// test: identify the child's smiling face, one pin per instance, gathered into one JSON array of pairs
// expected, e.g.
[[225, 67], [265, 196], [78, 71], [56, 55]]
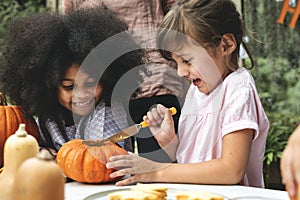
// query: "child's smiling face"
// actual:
[[79, 92]]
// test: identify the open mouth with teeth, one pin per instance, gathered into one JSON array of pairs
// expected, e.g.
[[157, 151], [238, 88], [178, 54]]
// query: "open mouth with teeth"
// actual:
[[82, 104], [197, 81]]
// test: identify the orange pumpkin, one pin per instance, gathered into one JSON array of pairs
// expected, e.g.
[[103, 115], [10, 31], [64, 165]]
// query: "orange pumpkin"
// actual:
[[10, 119], [85, 160]]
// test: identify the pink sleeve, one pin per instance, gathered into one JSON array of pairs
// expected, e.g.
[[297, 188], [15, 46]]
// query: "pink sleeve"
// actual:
[[240, 108], [67, 5]]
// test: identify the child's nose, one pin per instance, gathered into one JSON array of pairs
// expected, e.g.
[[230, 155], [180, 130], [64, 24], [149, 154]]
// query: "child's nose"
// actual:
[[81, 92], [182, 71]]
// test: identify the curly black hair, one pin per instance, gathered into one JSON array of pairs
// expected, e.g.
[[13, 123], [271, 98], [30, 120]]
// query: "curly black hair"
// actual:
[[39, 49]]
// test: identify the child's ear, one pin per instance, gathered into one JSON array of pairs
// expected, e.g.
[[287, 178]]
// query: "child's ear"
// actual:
[[228, 43]]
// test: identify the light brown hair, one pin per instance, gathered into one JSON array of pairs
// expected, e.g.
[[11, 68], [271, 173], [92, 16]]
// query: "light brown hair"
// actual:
[[205, 21]]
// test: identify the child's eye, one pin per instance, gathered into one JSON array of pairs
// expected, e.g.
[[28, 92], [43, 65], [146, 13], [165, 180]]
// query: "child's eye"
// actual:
[[91, 83], [186, 61], [68, 87]]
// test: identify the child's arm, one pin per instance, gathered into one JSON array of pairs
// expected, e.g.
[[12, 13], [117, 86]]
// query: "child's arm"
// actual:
[[229, 169], [290, 164]]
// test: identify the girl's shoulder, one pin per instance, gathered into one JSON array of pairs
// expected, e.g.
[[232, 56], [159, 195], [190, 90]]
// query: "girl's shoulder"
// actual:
[[241, 76], [237, 84]]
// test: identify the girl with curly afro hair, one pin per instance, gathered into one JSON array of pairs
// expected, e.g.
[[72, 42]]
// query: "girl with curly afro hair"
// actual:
[[64, 69]]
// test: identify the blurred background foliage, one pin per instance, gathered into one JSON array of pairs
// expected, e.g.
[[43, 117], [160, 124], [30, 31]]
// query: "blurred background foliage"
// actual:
[[275, 48], [10, 9]]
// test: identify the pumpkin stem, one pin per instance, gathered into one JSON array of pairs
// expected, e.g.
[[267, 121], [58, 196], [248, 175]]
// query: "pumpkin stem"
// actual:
[[21, 132], [94, 142], [3, 101]]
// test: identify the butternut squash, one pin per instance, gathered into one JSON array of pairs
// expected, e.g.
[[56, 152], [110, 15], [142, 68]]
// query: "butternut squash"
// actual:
[[39, 178], [11, 116], [17, 148]]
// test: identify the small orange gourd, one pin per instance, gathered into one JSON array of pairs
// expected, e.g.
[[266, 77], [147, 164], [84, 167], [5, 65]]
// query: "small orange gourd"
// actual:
[[18, 147], [85, 160], [39, 178], [10, 119]]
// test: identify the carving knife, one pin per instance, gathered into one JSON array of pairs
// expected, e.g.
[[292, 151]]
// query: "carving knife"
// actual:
[[132, 130]]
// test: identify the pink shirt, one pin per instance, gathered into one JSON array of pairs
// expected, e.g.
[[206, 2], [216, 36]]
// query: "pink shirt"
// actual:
[[206, 119]]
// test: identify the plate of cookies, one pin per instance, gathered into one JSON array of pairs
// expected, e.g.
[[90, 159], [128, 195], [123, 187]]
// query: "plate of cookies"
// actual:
[[154, 192]]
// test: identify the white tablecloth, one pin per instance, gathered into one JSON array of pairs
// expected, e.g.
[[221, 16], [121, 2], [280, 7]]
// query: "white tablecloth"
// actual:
[[79, 191]]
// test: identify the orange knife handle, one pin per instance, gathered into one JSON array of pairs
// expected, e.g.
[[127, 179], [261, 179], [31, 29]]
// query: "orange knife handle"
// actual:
[[173, 112]]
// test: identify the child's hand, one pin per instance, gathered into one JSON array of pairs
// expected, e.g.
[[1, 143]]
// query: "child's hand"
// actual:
[[140, 169], [290, 164], [162, 125]]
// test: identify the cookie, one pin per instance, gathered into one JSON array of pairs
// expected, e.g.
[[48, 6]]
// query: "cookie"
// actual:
[[198, 195], [131, 195]]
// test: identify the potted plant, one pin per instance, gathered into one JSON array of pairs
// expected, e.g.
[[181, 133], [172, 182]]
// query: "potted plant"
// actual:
[[281, 127]]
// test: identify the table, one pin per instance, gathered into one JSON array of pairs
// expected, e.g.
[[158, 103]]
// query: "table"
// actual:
[[79, 191]]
